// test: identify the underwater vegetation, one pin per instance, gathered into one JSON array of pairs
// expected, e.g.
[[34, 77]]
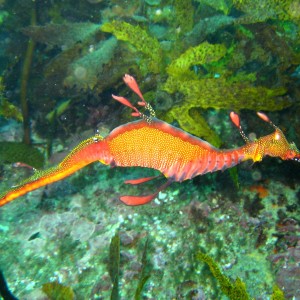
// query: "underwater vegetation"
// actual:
[[14, 152], [195, 61], [56, 291], [7, 109], [114, 269], [236, 290], [200, 61], [233, 290]]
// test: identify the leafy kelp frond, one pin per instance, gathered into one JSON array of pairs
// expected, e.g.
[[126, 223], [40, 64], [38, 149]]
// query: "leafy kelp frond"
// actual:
[[58, 111], [199, 55], [184, 12], [258, 11], [180, 74], [235, 92], [141, 40], [221, 94], [7, 109], [191, 121]]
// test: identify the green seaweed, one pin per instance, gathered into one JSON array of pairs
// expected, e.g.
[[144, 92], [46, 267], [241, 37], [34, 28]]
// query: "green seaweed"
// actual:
[[58, 110], [222, 5], [13, 152], [145, 272], [277, 293], [220, 93], [56, 291], [184, 12], [261, 10], [199, 55], [234, 290], [193, 122], [179, 74], [141, 40], [114, 266], [7, 109], [233, 172]]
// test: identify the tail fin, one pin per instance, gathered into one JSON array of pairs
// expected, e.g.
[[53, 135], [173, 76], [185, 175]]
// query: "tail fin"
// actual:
[[86, 152]]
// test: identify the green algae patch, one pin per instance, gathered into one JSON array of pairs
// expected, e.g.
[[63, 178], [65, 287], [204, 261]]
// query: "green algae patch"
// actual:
[[219, 93], [193, 122], [234, 290], [12, 152], [114, 266], [265, 9], [141, 40], [10, 111], [199, 55], [277, 293], [184, 12], [145, 272], [7, 109], [57, 291]]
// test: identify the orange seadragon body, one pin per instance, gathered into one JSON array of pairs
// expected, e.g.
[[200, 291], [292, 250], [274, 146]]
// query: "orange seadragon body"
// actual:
[[155, 144], [175, 153]]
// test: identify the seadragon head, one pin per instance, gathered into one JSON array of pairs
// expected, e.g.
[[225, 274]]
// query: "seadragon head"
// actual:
[[291, 152], [274, 144]]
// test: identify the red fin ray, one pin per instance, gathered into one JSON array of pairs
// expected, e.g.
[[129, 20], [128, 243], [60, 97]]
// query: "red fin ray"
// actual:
[[235, 119], [263, 116], [137, 200], [141, 200], [126, 102], [140, 180], [131, 82]]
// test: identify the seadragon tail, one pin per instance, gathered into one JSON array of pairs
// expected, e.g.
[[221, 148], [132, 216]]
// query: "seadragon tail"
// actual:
[[87, 152]]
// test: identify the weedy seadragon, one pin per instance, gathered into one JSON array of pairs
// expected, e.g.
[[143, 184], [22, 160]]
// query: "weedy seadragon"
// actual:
[[153, 143]]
